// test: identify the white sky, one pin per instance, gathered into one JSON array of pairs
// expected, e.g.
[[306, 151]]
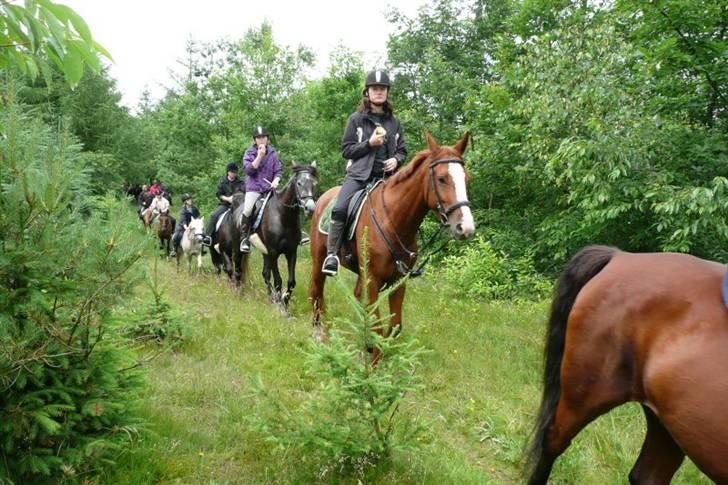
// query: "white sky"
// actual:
[[147, 37]]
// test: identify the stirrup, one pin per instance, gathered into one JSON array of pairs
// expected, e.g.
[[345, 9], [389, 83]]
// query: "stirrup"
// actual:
[[206, 241], [331, 265], [172, 253], [244, 246], [304, 241]]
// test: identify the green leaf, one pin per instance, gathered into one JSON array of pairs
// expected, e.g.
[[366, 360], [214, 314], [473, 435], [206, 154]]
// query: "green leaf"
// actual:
[[73, 65], [90, 57], [102, 50], [80, 25]]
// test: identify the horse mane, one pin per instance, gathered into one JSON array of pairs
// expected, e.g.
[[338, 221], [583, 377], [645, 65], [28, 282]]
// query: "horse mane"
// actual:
[[414, 165]]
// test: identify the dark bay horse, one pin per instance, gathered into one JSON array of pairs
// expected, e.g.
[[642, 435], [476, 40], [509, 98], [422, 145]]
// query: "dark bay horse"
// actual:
[[650, 328], [225, 251], [165, 231], [280, 230], [435, 179]]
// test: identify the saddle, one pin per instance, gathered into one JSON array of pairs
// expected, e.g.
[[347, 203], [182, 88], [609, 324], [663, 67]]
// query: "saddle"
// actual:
[[258, 210], [353, 212]]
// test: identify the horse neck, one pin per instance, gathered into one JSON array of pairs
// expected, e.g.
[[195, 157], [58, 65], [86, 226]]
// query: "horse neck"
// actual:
[[287, 198], [406, 203]]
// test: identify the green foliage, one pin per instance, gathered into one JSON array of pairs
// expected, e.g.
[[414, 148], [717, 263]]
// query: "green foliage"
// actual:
[[479, 271], [351, 419], [157, 320], [66, 401], [40, 32]]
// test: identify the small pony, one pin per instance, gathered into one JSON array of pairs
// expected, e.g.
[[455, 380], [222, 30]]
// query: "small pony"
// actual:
[[165, 231], [191, 244]]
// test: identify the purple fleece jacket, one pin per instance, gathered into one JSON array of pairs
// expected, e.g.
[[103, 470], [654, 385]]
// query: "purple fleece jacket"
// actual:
[[270, 167]]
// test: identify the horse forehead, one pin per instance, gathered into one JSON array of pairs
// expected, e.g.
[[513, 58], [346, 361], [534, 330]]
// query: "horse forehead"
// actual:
[[305, 175]]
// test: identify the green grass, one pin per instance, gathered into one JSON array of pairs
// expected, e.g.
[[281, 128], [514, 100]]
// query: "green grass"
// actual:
[[482, 389]]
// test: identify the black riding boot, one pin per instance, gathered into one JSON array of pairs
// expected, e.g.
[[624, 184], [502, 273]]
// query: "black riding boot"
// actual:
[[331, 263], [244, 234]]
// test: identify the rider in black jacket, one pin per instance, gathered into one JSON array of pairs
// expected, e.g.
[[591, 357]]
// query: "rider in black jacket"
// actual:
[[228, 185], [374, 145]]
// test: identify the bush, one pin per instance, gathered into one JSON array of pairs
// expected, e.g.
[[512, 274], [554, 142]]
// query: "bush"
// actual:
[[67, 384], [156, 319], [479, 271], [352, 419]]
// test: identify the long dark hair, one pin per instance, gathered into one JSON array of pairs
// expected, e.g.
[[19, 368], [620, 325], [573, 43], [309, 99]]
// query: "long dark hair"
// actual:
[[365, 106]]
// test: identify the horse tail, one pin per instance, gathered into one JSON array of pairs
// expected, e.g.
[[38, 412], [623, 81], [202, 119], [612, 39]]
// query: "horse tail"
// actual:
[[586, 264]]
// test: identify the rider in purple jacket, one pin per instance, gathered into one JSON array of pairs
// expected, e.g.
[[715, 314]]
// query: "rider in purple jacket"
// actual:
[[263, 170]]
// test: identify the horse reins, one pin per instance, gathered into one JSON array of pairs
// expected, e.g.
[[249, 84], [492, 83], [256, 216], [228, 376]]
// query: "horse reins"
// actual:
[[443, 212]]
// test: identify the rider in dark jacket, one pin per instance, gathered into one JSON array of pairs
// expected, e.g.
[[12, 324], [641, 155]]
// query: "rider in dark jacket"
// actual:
[[374, 145], [186, 213], [228, 185]]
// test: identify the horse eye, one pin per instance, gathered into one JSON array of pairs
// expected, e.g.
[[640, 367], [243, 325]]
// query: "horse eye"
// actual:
[[442, 180]]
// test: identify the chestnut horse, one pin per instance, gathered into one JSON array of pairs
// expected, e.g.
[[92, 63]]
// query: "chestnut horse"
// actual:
[[435, 179], [650, 328], [165, 231]]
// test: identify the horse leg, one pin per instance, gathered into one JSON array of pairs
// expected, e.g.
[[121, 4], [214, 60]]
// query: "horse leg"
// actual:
[[396, 298], [583, 399], [277, 280], [178, 256], [373, 295], [291, 259], [660, 456], [199, 262], [267, 263]]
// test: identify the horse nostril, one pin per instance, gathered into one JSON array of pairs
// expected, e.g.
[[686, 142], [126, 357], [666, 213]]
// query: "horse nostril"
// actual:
[[459, 228]]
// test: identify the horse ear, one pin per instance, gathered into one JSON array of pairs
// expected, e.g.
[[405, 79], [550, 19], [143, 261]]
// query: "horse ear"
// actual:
[[431, 142], [313, 164], [295, 163], [462, 144]]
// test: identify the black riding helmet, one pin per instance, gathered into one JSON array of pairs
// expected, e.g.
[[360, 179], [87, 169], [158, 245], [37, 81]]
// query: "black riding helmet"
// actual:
[[260, 131], [376, 78], [185, 197], [232, 167]]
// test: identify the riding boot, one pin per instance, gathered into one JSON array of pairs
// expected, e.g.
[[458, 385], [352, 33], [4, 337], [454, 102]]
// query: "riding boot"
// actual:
[[331, 263], [244, 234]]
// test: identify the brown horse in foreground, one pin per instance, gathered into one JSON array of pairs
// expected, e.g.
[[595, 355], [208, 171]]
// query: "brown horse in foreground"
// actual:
[[650, 328], [434, 180]]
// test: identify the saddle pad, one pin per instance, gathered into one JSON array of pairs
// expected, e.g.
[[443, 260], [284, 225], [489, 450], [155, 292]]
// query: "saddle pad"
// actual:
[[353, 212], [259, 213], [725, 289], [220, 219]]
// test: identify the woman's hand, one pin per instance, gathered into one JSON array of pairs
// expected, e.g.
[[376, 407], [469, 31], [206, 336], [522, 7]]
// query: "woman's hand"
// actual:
[[376, 140], [390, 164]]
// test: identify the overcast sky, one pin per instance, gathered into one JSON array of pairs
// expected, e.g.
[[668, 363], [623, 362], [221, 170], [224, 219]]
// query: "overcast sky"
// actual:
[[147, 37]]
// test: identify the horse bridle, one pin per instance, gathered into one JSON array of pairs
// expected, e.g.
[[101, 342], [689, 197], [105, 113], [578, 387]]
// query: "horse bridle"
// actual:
[[300, 201], [442, 211]]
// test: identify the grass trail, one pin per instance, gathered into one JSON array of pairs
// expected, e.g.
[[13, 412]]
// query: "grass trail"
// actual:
[[482, 389]]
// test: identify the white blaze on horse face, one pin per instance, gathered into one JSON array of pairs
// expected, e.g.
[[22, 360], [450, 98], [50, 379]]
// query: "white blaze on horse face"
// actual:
[[457, 173]]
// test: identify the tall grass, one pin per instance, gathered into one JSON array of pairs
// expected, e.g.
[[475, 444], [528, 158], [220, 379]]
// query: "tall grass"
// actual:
[[481, 391]]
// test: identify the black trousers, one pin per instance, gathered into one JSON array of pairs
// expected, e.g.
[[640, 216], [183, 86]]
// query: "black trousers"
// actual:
[[348, 189], [177, 238]]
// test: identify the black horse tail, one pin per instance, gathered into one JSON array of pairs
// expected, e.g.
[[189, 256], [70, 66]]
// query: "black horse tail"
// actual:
[[586, 264]]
